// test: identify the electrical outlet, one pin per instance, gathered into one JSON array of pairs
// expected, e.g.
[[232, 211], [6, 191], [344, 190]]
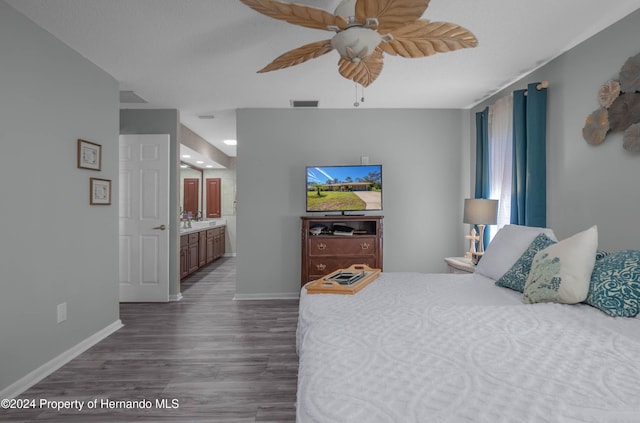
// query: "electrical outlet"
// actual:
[[62, 312], [364, 160]]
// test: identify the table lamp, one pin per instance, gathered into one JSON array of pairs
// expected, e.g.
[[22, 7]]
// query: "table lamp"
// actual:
[[479, 212]]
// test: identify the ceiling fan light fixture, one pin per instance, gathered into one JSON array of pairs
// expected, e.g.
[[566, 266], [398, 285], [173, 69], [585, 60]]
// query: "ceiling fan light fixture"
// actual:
[[356, 43], [365, 29]]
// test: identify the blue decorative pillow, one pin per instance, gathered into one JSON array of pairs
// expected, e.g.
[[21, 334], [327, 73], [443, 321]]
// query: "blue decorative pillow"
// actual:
[[516, 277], [615, 284]]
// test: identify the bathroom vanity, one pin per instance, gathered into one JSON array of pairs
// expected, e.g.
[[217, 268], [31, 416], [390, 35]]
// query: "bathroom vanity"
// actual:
[[200, 245]]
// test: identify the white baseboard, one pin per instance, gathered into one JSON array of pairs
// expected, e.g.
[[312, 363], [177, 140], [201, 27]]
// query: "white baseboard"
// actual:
[[175, 297], [51, 366], [229, 255], [275, 296]]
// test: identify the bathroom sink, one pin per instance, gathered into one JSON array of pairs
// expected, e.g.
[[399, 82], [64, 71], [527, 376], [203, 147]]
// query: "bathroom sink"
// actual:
[[201, 224]]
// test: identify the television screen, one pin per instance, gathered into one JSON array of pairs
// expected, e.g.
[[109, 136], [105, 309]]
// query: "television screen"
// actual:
[[344, 188]]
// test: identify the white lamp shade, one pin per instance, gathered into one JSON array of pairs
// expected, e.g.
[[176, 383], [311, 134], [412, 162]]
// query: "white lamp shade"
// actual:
[[357, 39], [480, 211]]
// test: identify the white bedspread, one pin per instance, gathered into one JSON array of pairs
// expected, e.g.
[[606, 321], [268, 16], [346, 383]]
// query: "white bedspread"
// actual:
[[416, 347]]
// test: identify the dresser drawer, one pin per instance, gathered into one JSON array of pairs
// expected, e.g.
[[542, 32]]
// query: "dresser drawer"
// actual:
[[320, 266], [330, 246]]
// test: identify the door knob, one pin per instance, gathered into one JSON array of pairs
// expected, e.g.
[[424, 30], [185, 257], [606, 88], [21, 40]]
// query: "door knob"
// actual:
[[161, 227]]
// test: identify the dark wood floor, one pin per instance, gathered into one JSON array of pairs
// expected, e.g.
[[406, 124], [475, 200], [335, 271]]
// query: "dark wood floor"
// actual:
[[222, 360]]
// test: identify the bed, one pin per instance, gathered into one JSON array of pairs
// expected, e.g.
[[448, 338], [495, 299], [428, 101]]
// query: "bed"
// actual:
[[414, 347]]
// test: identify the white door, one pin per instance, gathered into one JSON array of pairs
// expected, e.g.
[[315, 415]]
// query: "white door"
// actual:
[[144, 218]]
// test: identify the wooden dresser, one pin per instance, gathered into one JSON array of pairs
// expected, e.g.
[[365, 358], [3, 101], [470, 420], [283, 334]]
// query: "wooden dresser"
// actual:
[[327, 252]]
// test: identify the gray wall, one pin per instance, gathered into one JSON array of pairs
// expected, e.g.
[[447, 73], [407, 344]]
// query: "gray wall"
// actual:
[[162, 121], [421, 154], [588, 185], [54, 246]]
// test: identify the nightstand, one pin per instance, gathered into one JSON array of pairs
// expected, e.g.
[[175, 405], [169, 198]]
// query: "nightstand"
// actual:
[[459, 265]]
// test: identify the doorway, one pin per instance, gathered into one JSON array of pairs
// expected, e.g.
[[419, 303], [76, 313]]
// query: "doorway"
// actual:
[[144, 218]]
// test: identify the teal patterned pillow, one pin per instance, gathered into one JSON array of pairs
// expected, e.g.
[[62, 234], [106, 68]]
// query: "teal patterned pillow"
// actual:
[[615, 284], [516, 277]]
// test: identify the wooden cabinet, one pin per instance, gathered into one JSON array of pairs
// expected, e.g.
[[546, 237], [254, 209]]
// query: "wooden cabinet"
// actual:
[[215, 243], [210, 245], [327, 252], [197, 249], [202, 248], [184, 253], [218, 242], [193, 259]]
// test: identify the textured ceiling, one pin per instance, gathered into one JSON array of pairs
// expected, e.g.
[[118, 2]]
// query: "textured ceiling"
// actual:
[[201, 56]]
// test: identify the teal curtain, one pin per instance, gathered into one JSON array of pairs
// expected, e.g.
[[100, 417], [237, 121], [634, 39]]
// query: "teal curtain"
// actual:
[[482, 154], [529, 184], [483, 186]]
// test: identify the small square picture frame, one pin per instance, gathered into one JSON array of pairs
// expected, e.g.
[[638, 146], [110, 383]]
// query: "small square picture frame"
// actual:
[[89, 155], [99, 191]]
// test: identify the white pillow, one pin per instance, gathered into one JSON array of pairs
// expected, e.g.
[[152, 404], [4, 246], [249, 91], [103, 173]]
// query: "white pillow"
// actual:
[[506, 247], [561, 273]]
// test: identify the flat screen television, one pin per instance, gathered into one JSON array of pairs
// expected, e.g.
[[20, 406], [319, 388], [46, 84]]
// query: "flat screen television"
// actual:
[[343, 189]]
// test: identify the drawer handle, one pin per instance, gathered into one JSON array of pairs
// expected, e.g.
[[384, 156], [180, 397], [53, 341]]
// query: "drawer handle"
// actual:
[[365, 245], [322, 246], [321, 266]]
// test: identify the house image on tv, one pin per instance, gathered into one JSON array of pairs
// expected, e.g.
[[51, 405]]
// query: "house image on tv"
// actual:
[[348, 186]]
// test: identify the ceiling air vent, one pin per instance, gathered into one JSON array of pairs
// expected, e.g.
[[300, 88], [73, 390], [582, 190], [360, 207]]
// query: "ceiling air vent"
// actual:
[[131, 97], [304, 103]]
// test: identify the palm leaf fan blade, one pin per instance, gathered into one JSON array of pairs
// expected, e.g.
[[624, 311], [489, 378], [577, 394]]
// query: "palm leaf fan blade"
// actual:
[[423, 38], [297, 14], [299, 55], [364, 72], [391, 14]]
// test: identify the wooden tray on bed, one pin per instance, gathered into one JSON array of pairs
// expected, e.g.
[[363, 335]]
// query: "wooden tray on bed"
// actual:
[[344, 281]]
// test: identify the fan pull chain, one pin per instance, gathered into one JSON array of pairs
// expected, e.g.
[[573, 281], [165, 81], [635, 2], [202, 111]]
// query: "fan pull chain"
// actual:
[[356, 103]]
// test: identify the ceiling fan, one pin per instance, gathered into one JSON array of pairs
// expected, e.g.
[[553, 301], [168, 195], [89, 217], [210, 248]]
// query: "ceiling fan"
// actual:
[[365, 29]]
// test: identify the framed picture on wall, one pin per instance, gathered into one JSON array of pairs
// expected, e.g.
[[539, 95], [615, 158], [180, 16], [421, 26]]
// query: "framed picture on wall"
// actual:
[[89, 155], [100, 191]]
